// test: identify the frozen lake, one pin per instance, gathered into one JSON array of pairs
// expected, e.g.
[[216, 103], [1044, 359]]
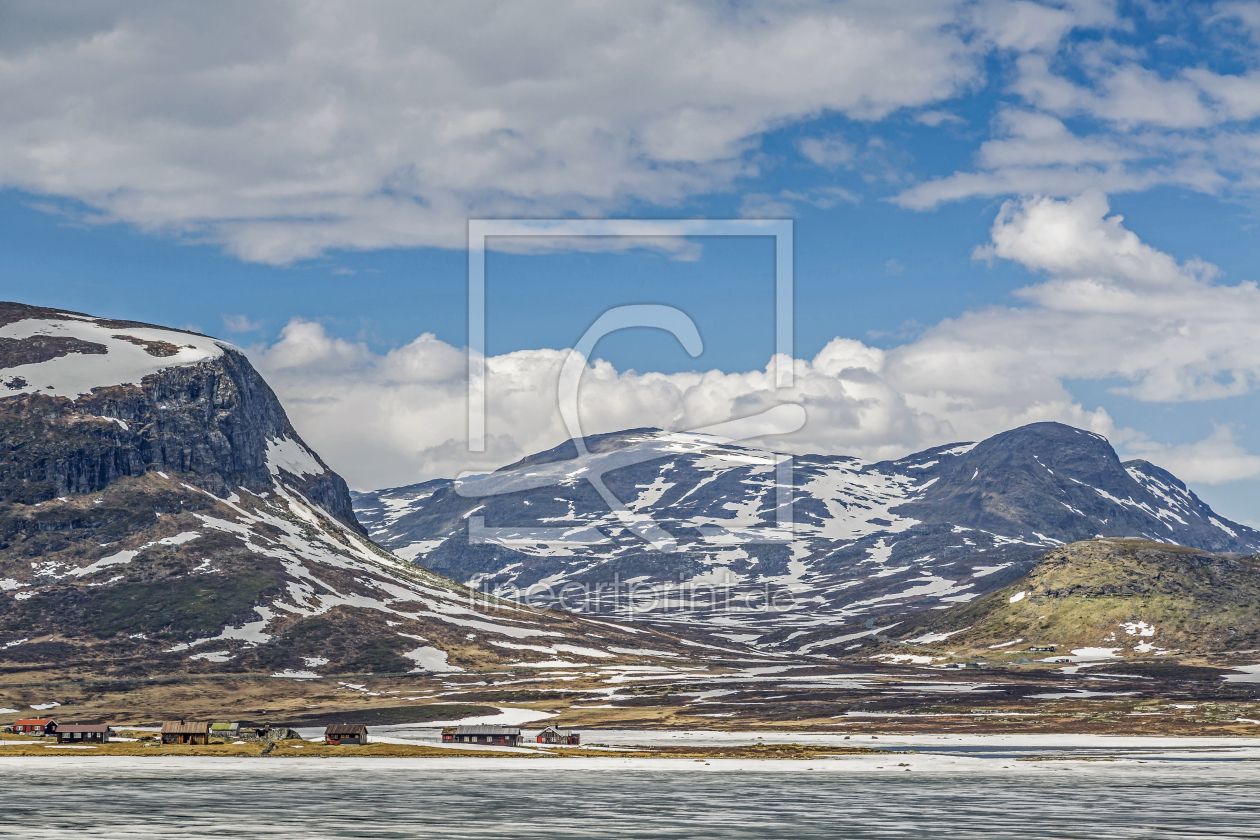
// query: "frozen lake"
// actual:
[[1195, 795]]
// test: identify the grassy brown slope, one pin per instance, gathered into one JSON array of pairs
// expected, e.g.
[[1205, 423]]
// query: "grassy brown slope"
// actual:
[[1082, 595], [136, 619]]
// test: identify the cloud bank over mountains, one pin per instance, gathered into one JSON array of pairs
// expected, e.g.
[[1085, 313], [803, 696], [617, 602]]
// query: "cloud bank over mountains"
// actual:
[[1110, 307], [284, 130]]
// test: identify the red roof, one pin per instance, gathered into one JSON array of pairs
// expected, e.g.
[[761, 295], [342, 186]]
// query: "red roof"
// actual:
[[33, 722]]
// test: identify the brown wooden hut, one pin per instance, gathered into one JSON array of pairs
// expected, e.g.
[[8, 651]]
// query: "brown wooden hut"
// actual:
[[346, 733], [83, 733], [185, 732]]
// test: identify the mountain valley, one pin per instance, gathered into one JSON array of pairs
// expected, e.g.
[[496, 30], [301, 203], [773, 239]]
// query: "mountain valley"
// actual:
[[169, 545]]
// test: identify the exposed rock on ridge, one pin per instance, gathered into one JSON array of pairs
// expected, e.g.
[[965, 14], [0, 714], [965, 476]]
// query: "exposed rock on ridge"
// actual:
[[210, 421]]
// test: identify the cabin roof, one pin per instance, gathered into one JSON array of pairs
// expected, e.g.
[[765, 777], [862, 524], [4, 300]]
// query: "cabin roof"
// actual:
[[185, 727], [83, 727], [487, 729], [33, 722], [346, 729]]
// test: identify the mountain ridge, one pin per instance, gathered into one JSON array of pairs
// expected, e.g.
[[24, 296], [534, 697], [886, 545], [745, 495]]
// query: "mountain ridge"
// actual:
[[872, 538], [159, 514]]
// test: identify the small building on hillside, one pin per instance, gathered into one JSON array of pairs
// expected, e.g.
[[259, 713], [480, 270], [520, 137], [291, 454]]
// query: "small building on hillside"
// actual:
[[346, 733], [448, 733], [225, 731], [484, 733], [35, 726], [556, 735], [186, 732], [83, 733], [1043, 648]]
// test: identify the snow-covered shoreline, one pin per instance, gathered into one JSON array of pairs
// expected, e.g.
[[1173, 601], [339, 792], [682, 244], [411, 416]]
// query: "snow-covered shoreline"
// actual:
[[927, 752], [1174, 765]]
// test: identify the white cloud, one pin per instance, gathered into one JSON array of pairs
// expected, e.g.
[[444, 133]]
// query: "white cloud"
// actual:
[[783, 204], [1024, 26], [937, 117], [830, 151], [240, 324], [286, 129], [1122, 92], [1216, 459], [1110, 307], [1137, 123], [1032, 152]]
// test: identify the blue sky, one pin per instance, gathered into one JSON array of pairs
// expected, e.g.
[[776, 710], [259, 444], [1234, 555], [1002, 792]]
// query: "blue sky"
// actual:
[[1002, 212]]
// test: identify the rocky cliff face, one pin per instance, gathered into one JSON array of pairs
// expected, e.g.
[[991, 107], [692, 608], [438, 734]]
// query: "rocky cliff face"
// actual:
[[209, 417], [159, 514]]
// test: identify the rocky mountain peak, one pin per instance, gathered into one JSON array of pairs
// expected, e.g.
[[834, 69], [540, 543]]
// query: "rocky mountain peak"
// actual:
[[89, 400], [932, 529], [159, 514]]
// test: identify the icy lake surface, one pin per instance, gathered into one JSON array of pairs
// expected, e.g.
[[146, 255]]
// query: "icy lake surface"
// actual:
[[866, 797]]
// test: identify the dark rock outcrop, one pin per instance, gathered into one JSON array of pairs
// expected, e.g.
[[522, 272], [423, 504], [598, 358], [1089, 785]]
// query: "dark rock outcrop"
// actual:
[[210, 422]]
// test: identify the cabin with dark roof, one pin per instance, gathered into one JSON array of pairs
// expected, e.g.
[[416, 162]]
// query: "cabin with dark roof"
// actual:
[[35, 726], [556, 735], [83, 733], [484, 733], [346, 733], [186, 732]]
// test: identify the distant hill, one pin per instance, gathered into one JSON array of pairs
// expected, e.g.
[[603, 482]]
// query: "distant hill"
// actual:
[[1130, 596], [928, 531], [159, 514]]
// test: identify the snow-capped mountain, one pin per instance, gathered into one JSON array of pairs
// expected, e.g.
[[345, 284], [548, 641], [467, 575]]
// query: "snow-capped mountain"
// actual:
[[159, 514], [699, 530]]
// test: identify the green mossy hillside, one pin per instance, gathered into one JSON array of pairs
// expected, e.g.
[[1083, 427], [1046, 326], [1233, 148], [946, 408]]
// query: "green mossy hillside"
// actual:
[[1139, 597]]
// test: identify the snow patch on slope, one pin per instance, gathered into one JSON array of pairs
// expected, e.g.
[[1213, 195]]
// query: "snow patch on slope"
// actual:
[[289, 455], [124, 362]]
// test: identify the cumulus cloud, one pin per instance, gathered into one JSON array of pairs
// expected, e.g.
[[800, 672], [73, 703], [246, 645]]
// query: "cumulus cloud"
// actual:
[[286, 129], [1108, 307]]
